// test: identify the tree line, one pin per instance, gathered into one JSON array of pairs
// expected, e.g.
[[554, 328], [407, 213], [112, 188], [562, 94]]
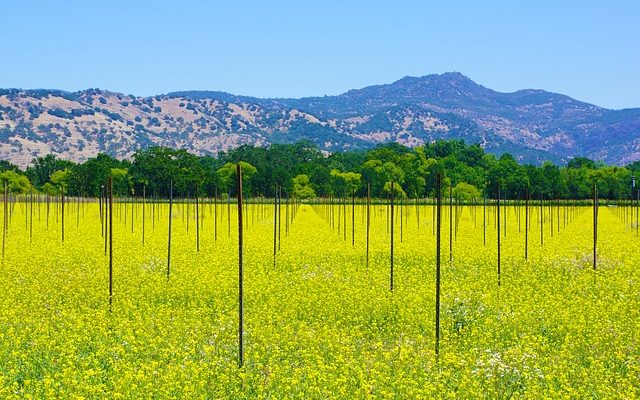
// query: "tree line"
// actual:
[[302, 170]]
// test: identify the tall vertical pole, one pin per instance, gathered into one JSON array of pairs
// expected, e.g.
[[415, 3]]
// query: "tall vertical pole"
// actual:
[[62, 201], [170, 220], [106, 217], [368, 218], [240, 238], [110, 188], [215, 215], [392, 218], [595, 224], [353, 218], [5, 219], [484, 218], [438, 229], [31, 215], [144, 207], [450, 223], [279, 214], [197, 220], [526, 225], [102, 212], [498, 200], [275, 224]]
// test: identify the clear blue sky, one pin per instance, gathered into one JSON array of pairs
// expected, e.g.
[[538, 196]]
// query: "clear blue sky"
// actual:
[[589, 50]]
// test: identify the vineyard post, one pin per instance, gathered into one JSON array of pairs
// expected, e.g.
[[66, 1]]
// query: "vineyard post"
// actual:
[[62, 204], [215, 215], [353, 217], [101, 214], [279, 215], [110, 183], [275, 224], [31, 215], [526, 224], [133, 207], [240, 238], [170, 218], [368, 218], [438, 226], [595, 223], [144, 206], [633, 187], [344, 216], [541, 220], [105, 233], [450, 222], [392, 215], [5, 219], [197, 221], [484, 217], [498, 203]]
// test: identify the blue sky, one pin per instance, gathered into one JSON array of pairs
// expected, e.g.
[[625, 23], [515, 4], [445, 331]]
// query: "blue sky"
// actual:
[[589, 50]]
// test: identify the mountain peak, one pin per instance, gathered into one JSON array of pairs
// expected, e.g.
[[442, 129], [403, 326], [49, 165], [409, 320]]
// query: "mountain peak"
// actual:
[[532, 124]]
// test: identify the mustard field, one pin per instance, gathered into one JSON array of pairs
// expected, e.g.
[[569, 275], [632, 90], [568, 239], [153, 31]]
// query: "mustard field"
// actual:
[[320, 323]]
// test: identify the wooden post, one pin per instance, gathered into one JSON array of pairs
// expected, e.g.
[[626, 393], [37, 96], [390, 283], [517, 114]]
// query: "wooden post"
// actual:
[[595, 224], [144, 206], [368, 219], [484, 218], [102, 195], [62, 200], [31, 215], [275, 224], [5, 219], [526, 225], [110, 184], [392, 218], [438, 229], [498, 200], [215, 215], [541, 220], [106, 217], [353, 218], [240, 238], [450, 223], [170, 218], [197, 221]]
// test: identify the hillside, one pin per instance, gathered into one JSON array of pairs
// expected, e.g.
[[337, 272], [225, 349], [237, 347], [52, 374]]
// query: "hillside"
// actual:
[[534, 125]]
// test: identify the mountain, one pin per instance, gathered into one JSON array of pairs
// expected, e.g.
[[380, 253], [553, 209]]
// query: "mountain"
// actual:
[[534, 125]]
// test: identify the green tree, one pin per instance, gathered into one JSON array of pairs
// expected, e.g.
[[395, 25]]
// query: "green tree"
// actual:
[[302, 188], [466, 191]]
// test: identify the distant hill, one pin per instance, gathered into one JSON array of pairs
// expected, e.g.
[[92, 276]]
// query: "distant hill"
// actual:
[[533, 125]]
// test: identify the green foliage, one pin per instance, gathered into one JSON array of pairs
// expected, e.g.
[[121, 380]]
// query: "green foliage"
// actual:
[[302, 188], [227, 174], [121, 181], [465, 191], [344, 183], [397, 190], [16, 183], [60, 179], [340, 174]]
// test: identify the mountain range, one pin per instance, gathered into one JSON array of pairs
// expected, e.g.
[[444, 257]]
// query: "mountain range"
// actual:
[[533, 125]]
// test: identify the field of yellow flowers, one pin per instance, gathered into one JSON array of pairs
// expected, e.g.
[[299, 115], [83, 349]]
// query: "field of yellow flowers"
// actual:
[[321, 324]]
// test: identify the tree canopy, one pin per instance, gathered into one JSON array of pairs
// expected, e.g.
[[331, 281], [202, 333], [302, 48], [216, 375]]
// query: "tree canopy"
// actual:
[[303, 171]]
